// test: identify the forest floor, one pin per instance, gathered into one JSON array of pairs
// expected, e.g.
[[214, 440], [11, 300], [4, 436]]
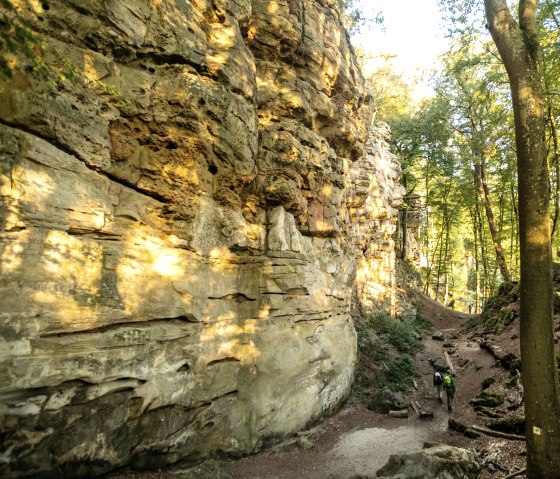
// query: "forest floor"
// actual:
[[356, 442]]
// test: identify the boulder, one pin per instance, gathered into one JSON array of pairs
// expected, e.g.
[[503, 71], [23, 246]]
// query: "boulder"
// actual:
[[437, 462], [439, 364], [462, 362], [487, 382], [489, 411], [456, 425], [512, 424], [385, 400], [487, 399], [423, 414]]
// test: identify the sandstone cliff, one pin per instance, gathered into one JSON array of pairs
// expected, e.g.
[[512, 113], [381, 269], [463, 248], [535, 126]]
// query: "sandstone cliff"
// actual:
[[184, 223]]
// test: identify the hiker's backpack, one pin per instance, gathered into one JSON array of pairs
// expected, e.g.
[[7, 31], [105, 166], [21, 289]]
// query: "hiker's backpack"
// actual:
[[448, 382], [438, 379]]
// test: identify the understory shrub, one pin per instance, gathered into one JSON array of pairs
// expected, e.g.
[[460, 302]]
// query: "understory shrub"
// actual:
[[386, 349]]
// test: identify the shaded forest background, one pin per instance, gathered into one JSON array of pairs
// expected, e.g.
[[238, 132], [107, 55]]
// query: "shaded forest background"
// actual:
[[459, 220]]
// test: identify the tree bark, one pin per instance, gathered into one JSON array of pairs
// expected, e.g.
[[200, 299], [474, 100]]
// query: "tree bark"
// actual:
[[404, 220], [482, 189], [519, 49], [476, 265], [483, 288], [404, 231], [514, 247], [554, 135]]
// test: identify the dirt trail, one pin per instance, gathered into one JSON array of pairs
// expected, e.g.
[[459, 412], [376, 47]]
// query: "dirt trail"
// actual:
[[357, 441]]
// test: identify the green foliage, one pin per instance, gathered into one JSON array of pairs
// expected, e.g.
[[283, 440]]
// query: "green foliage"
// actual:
[[391, 88], [386, 349], [462, 15], [401, 372], [15, 38], [401, 335], [21, 49], [468, 123], [354, 18]]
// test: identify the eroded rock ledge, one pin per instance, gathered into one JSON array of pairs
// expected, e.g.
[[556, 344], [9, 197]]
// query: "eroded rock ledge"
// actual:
[[178, 260]]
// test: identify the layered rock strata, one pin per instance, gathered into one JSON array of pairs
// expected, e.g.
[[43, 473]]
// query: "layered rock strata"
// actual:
[[375, 198], [186, 200]]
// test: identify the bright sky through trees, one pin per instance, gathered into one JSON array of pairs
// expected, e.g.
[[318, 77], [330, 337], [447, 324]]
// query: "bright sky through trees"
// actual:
[[412, 31]]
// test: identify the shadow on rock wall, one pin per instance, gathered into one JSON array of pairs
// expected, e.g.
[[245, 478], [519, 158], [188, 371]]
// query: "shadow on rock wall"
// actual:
[[178, 259]]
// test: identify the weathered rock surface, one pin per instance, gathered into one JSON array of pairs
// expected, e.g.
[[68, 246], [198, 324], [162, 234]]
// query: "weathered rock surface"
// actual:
[[441, 462], [386, 400], [178, 260]]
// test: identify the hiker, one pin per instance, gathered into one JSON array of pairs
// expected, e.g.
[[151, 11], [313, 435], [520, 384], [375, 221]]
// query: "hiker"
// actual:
[[438, 384], [449, 386]]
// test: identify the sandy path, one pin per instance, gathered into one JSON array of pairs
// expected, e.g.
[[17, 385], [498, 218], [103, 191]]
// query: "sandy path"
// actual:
[[357, 441]]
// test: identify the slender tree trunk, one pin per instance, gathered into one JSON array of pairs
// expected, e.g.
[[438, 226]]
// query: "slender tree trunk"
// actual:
[[404, 228], [482, 188], [476, 265], [554, 135], [518, 45], [514, 200], [404, 221], [446, 262], [484, 257], [513, 213], [427, 237], [440, 255], [429, 266]]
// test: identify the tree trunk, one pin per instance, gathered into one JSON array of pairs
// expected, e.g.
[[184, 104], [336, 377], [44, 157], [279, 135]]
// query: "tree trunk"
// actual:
[[447, 263], [514, 247], [476, 265], [484, 258], [427, 236], [519, 49], [440, 255], [482, 188], [429, 266], [404, 222], [404, 227], [554, 135]]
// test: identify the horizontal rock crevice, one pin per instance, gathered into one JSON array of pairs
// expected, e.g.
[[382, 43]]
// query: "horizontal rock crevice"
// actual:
[[183, 230]]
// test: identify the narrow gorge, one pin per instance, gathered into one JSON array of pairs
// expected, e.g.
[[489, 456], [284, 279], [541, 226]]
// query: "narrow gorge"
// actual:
[[194, 198]]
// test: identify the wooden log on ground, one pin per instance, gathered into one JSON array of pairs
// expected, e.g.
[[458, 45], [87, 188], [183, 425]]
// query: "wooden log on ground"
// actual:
[[416, 410], [402, 413], [515, 474], [449, 363], [504, 435]]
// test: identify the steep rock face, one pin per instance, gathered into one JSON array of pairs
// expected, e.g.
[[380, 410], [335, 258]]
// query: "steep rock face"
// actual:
[[374, 206], [181, 229]]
